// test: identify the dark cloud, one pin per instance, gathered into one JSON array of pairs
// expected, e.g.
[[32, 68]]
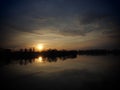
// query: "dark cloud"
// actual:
[[94, 17], [28, 16], [61, 17]]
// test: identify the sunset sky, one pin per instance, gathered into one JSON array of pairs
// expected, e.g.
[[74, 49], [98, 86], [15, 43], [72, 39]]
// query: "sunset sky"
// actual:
[[60, 24]]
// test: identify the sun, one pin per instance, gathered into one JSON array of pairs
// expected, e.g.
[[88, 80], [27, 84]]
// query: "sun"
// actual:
[[39, 47]]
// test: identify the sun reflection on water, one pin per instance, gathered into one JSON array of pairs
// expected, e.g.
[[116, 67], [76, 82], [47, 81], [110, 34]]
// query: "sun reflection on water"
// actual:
[[39, 59]]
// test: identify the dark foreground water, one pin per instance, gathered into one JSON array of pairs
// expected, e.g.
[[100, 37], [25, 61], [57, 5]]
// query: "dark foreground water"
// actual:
[[84, 72]]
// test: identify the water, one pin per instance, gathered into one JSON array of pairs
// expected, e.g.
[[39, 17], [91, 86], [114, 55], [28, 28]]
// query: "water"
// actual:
[[84, 72]]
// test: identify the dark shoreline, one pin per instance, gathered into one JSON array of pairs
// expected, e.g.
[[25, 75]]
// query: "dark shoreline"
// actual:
[[51, 55]]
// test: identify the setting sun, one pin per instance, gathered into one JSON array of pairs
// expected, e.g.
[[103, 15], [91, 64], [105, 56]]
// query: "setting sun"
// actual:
[[40, 47]]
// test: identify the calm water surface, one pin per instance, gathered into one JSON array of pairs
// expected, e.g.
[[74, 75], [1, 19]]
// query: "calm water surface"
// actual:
[[84, 72]]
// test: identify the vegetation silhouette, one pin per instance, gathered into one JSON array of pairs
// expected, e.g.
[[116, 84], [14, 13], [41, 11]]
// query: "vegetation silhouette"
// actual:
[[25, 56], [96, 52]]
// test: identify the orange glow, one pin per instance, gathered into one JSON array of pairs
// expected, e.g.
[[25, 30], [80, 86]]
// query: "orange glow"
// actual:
[[39, 59], [39, 47]]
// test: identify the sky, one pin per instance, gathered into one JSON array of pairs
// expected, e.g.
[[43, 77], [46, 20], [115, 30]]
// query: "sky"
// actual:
[[60, 24]]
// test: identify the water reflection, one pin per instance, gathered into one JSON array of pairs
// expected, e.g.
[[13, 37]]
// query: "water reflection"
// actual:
[[85, 72], [24, 57], [39, 59], [36, 59]]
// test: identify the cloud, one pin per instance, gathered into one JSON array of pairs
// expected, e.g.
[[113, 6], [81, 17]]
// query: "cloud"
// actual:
[[65, 18], [92, 17], [67, 25], [59, 17]]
